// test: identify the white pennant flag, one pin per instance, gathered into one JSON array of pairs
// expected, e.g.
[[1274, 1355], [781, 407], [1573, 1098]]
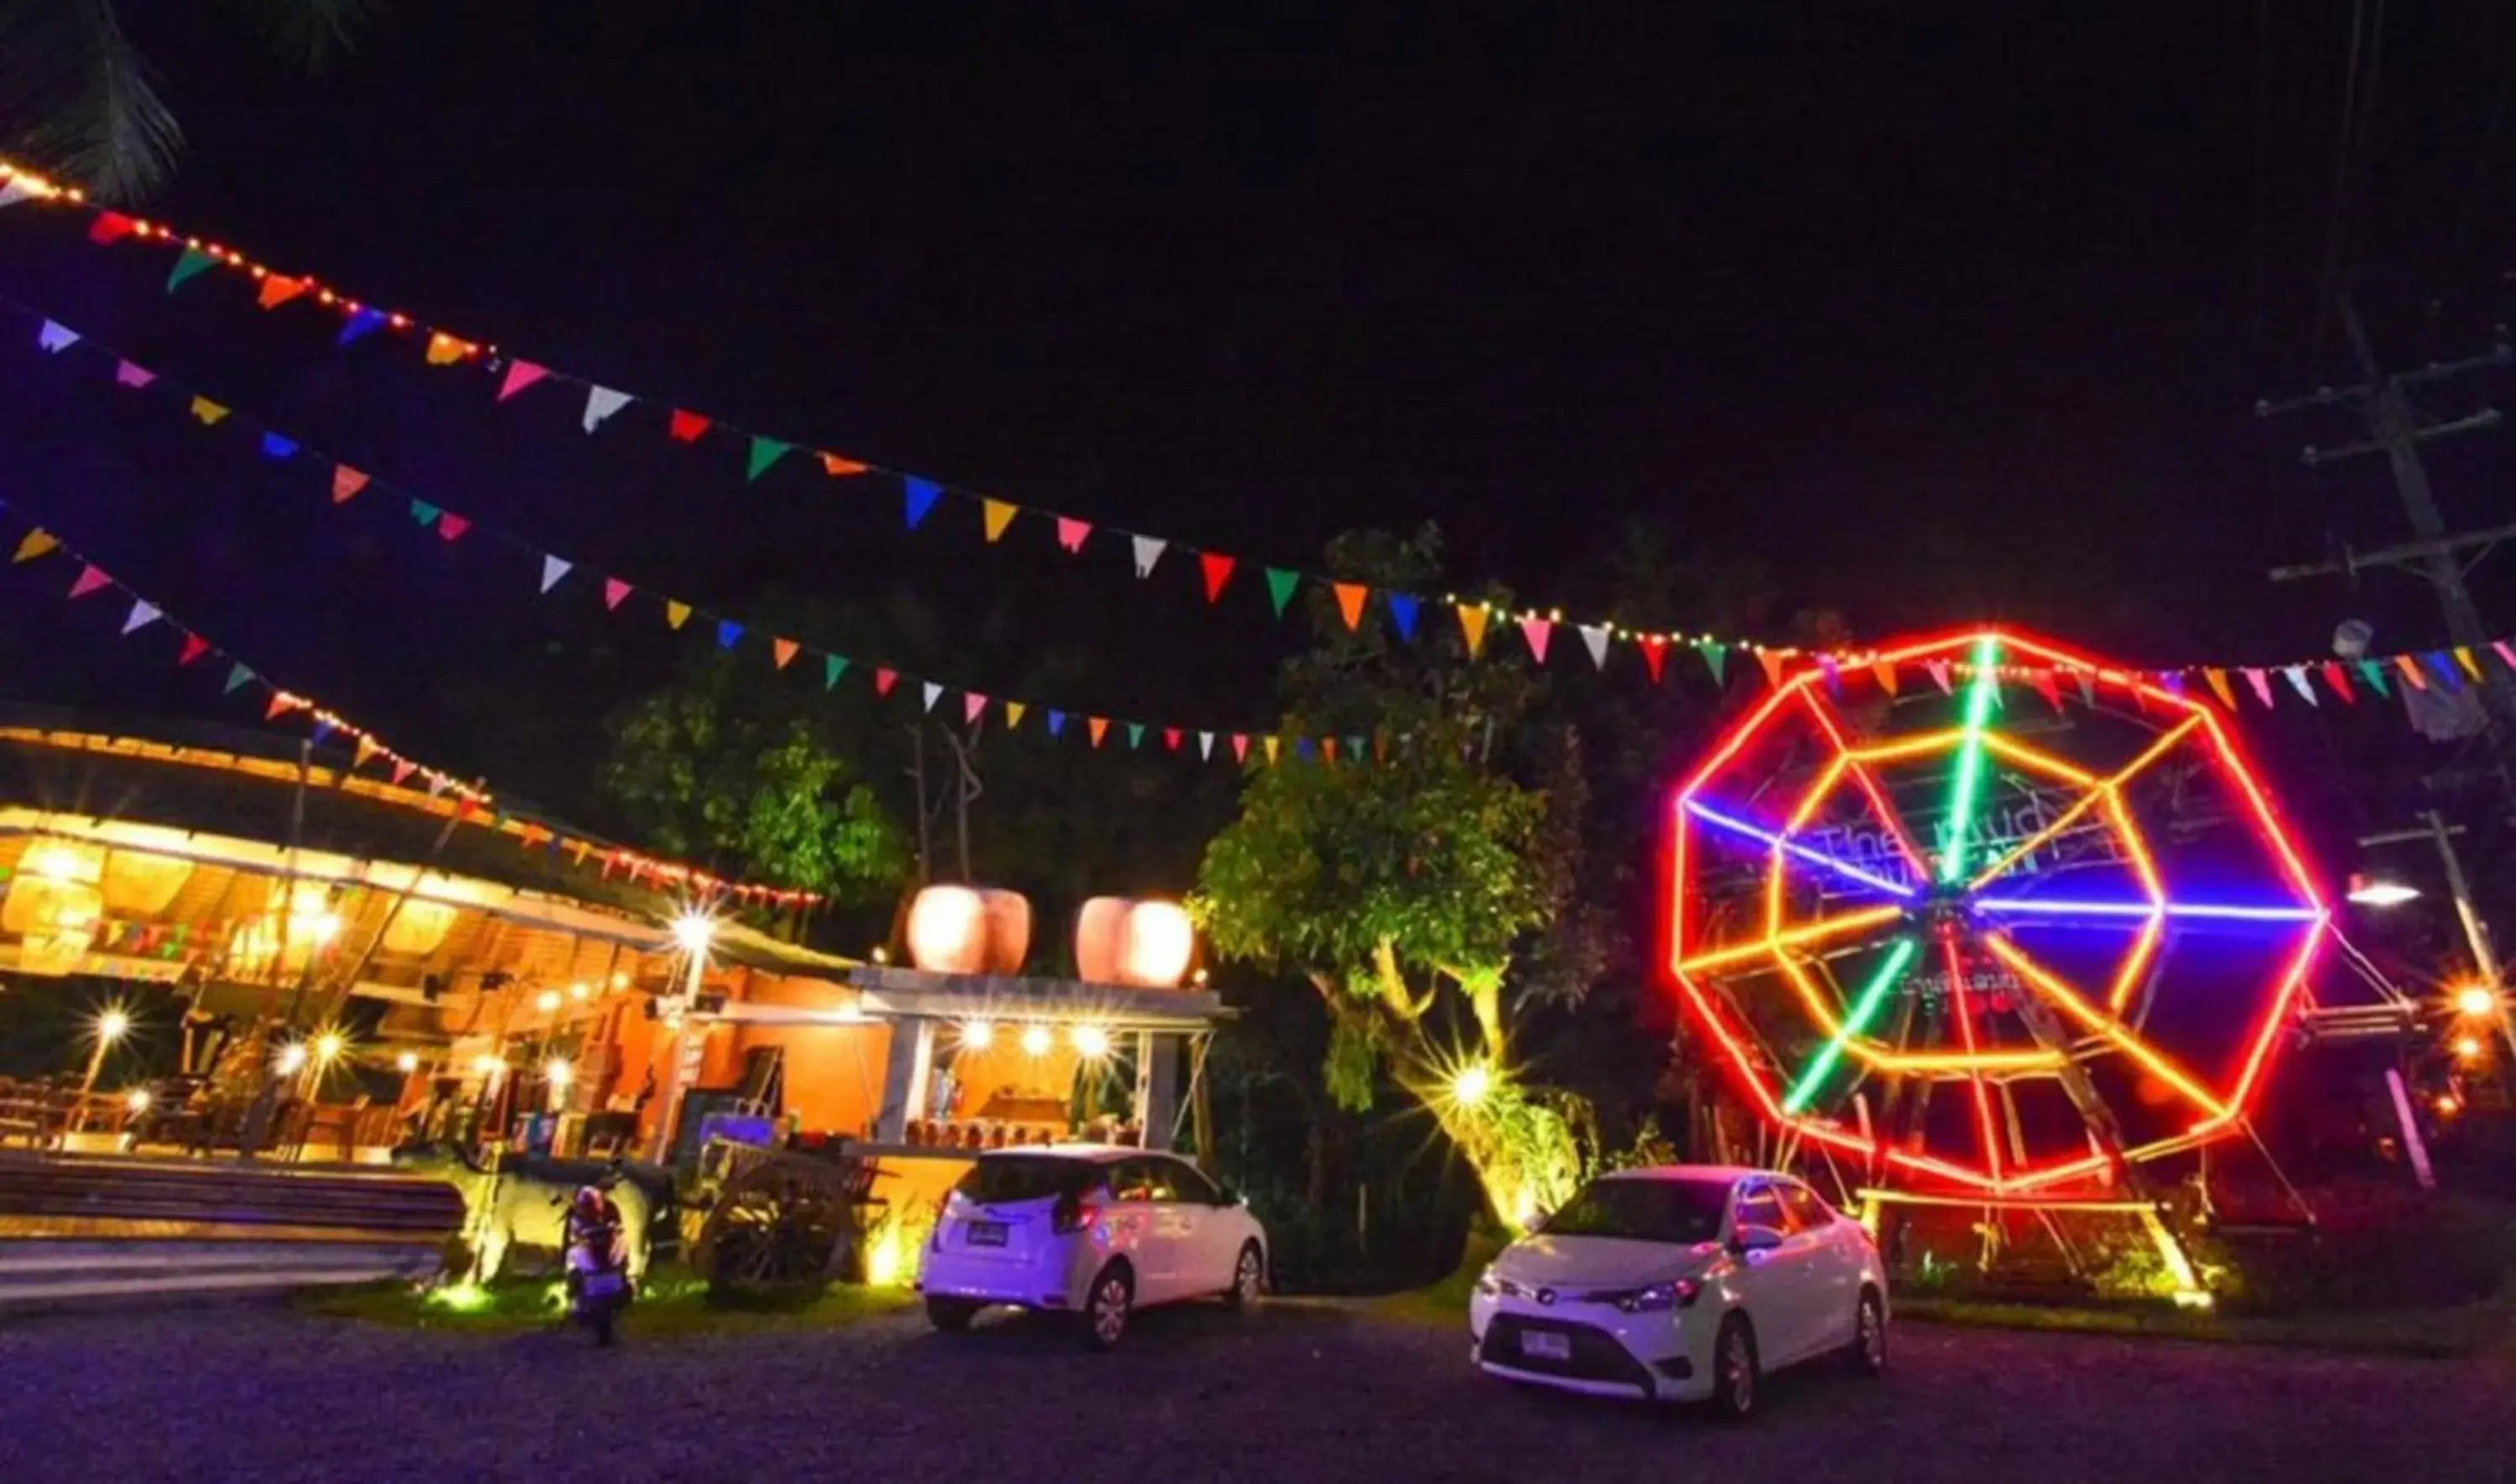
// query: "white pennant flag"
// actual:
[[143, 614], [1205, 746], [1148, 550], [600, 403], [16, 191], [1594, 637], [553, 569], [2299, 682], [934, 693], [56, 338]]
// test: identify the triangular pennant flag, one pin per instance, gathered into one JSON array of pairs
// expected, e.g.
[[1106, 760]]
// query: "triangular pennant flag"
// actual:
[[1402, 612], [1240, 747], [193, 262], [1328, 750], [2339, 680], [2464, 657], [917, 496], [994, 515], [1349, 601], [1014, 711], [676, 614], [600, 403], [207, 412], [1939, 673], [841, 467], [131, 376], [361, 322], [1594, 637], [1280, 587], [2049, 685], [2088, 688], [932, 692], [1536, 631], [2261, 683], [1135, 735], [1275, 748], [973, 705], [686, 425], [36, 544], [1886, 675], [728, 633], [782, 652], [2410, 672], [2219, 685], [143, 614], [884, 679], [1205, 746], [15, 190], [1772, 660], [369, 747], [1056, 723], [2374, 675], [237, 675], [1655, 648], [2445, 668], [520, 374], [90, 578], [274, 446], [346, 481], [764, 452], [195, 646], [1217, 569], [109, 227], [1171, 738], [2506, 655], [1149, 551], [615, 592], [451, 526], [1472, 625], [832, 667], [279, 704], [56, 338], [1716, 658], [403, 769], [444, 350], [1097, 727], [278, 288], [2299, 682], [1071, 532], [553, 569]]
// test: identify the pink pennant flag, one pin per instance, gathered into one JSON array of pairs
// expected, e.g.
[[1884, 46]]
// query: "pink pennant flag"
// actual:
[[614, 591], [2262, 684], [1240, 747], [1939, 670], [973, 704], [1536, 631], [88, 580], [2499, 648], [451, 526], [520, 374], [403, 768], [1071, 532], [134, 376]]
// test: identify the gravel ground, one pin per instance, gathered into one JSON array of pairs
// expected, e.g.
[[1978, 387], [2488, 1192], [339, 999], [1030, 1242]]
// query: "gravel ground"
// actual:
[[1299, 1392]]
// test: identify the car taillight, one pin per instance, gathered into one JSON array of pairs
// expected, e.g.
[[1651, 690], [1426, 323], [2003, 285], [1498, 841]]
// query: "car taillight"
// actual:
[[1074, 1212]]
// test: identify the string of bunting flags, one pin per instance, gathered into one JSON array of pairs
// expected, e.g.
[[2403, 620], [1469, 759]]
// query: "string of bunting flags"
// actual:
[[347, 484], [438, 791]]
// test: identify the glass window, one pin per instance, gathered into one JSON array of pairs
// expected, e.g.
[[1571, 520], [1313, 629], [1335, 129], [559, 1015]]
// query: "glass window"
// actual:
[[1758, 1206], [1002, 1179], [1135, 1179], [1641, 1209], [1190, 1183], [1806, 1211]]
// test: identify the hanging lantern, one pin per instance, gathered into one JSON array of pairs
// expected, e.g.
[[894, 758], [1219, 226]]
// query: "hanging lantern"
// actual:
[[1146, 944], [969, 931]]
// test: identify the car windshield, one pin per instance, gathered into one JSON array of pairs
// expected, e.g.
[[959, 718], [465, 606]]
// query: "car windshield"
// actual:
[[1683, 1211], [1002, 1179]]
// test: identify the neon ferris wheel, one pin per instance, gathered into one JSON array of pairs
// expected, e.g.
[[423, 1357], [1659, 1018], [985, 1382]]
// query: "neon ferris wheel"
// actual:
[[1986, 944]]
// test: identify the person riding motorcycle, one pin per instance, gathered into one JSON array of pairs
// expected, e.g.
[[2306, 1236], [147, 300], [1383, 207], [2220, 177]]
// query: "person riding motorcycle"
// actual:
[[594, 1226]]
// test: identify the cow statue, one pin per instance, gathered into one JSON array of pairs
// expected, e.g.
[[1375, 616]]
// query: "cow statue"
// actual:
[[526, 1200]]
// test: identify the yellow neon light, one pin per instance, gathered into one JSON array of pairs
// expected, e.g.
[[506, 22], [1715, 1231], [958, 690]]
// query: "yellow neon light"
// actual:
[[2103, 1026], [1811, 933]]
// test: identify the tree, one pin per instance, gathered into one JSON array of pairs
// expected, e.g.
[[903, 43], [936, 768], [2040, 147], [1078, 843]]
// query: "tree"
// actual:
[[1402, 884], [85, 100]]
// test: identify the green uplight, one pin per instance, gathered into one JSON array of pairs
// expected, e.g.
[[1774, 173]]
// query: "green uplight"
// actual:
[[462, 1298], [1865, 1009], [1985, 690]]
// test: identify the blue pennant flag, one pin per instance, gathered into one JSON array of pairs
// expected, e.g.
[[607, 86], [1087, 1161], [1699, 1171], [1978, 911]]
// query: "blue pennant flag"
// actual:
[[919, 495], [727, 631], [1056, 724], [361, 323], [2443, 665], [1402, 611], [274, 446]]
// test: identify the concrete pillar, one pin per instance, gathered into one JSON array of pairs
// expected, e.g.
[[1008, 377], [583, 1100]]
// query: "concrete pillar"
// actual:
[[905, 1070], [1157, 1085]]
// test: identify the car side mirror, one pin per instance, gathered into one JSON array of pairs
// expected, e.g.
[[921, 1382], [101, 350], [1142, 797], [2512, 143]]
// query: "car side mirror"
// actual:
[[1755, 1238]]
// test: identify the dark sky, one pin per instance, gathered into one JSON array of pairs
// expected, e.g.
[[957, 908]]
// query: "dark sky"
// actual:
[[1939, 311]]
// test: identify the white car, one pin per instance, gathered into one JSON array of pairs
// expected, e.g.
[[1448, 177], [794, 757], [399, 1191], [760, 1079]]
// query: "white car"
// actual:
[[1681, 1283], [1088, 1230]]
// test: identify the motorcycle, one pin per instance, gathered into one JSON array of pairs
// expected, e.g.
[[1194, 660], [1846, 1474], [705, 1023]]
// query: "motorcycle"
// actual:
[[598, 1279]]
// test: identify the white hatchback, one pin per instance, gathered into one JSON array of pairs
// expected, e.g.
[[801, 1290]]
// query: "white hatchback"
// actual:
[[1092, 1232], [1681, 1283]]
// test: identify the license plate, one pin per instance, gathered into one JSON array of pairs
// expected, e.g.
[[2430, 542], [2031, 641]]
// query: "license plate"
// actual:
[[1538, 1345], [984, 1234]]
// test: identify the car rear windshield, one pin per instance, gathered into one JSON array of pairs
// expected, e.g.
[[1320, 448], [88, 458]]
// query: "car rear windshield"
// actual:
[[1682, 1210], [1002, 1179]]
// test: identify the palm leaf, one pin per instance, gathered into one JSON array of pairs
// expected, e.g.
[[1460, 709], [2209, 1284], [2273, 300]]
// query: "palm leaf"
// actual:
[[79, 101]]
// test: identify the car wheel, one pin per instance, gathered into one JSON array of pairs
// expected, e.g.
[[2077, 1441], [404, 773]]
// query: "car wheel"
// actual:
[[1868, 1353], [950, 1315], [1112, 1303], [1248, 1278], [1735, 1374]]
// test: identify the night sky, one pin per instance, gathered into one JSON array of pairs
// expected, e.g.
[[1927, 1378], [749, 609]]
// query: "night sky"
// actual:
[[1940, 311]]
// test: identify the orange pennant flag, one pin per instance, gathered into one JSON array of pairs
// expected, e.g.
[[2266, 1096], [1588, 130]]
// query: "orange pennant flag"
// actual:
[[677, 613], [783, 650], [1772, 660], [840, 468], [1472, 622], [997, 514], [1100, 726], [209, 412], [1886, 674], [2411, 672], [346, 481], [1327, 750], [1350, 597], [1014, 713], [444, 350], [36, 544], [2219, 686], [277, 289]]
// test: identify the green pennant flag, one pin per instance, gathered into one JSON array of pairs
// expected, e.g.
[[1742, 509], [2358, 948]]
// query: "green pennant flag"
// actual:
[[424, 513], [237, 676], [186, 266], [832, 667], [1279, 587], [764, 452], [1135, 735], [2374, 675], [1715, 656]]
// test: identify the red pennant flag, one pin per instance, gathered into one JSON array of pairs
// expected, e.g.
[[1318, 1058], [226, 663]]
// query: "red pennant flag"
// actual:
[[1071, 532], [403, 768], [1240, 747], [1171, 738], [838, 466], [1773, 663], [346, 481], [279, 704], [2048, 686], [615, 590], [451, 526], [973, 705], [1098, 727], [1349, 600], [1218, 571], [1536, 631], [782, 652], [1327, 750], [278, 288], [2339, 680], [884, 679], [88, 580], [1654, 653], [195, 646], [109, 227], [687, 425], [520, 374]]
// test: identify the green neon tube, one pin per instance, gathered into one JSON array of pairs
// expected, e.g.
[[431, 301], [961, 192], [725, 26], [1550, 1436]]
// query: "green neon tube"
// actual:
[[1865, 1009], [1969, 780]]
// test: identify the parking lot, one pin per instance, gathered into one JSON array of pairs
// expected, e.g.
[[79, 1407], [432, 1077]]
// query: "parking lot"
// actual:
[[1301, 1392]]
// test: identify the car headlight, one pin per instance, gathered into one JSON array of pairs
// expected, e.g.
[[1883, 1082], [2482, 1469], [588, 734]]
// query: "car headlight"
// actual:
[[1659, 1299]]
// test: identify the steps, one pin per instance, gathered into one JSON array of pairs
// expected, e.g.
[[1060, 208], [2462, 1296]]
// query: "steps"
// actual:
[[47, 1275]]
